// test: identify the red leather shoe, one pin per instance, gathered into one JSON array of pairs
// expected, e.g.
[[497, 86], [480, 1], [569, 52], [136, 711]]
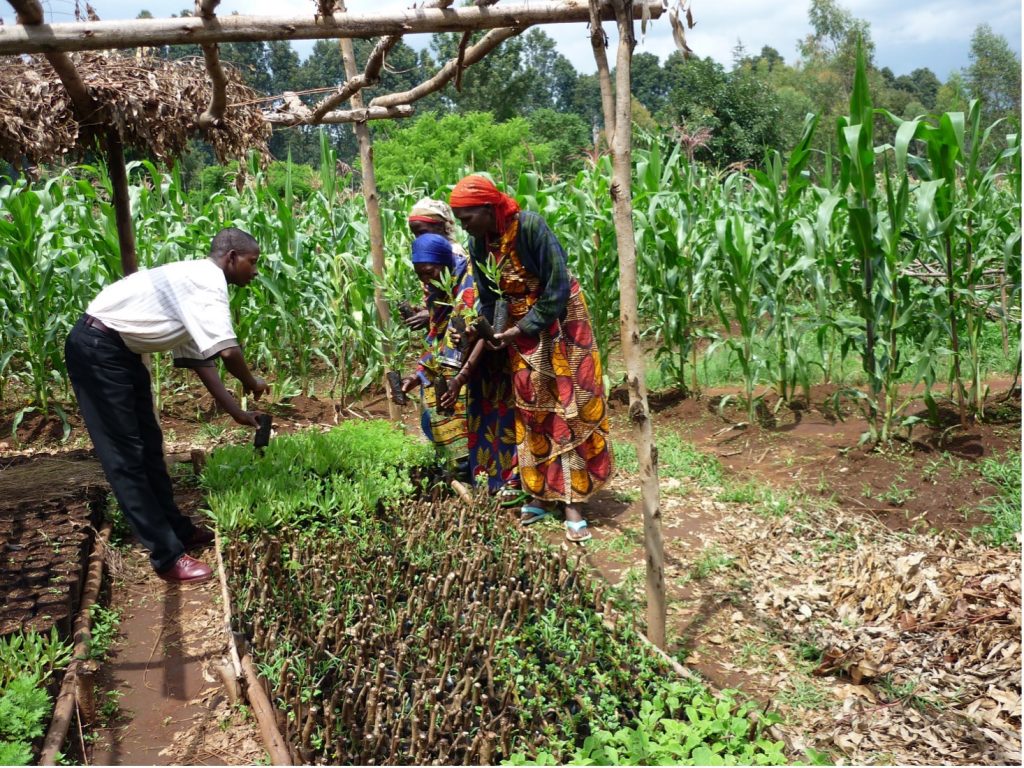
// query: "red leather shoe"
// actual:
[[187, 570], [199, 538]]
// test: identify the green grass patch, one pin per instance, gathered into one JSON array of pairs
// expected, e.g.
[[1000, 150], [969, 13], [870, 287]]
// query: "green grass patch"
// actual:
[[1004, 507], [676, 458], [763, 499], [681, 460], [624, 543], [626, 459], [627, 496], [804, 694], [709, 561]]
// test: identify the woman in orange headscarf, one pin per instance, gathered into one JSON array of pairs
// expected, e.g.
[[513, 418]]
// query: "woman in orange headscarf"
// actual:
[[561, 414]]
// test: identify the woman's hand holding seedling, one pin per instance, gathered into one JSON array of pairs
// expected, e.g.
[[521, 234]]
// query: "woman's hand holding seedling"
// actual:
[[450, 397], [471, 335], [503, 339], [417, 320]]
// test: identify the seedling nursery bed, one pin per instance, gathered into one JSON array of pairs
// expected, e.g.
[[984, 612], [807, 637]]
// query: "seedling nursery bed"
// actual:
[[394, 624], [50, 509]]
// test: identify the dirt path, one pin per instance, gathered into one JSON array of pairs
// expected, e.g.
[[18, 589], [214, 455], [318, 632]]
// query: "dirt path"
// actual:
[[162, 701]]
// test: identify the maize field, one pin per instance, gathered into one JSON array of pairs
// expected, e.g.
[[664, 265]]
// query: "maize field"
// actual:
[[878, 266]]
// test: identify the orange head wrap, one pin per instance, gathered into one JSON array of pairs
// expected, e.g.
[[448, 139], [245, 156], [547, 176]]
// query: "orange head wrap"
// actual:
[[476, 190]]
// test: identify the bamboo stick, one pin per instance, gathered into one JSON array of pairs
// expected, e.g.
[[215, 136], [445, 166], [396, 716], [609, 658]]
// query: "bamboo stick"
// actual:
[[262, 709], [369, 191], [64, 707]]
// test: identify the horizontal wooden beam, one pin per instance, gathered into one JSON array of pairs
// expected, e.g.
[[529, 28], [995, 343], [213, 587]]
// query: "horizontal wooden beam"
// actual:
[[287, 119], [105, 35]]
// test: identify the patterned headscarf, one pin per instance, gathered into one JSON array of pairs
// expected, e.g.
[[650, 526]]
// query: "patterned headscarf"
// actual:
[[433, 249], [434, 212], [476, 190]]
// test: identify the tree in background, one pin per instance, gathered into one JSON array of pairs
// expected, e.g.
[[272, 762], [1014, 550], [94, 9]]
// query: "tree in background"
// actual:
[[739, 108], [993, 76], [523, 74], [564, 135], [649, 84]]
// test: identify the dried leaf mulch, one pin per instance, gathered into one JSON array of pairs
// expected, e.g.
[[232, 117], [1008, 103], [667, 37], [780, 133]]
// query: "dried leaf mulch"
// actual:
[[922, 632]]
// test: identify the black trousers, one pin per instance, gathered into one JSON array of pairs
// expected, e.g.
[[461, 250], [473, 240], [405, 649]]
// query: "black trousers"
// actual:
[[114, 395]]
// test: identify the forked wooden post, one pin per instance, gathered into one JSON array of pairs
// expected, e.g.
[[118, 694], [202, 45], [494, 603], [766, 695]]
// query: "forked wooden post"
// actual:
[[369, 195], [619, 130]]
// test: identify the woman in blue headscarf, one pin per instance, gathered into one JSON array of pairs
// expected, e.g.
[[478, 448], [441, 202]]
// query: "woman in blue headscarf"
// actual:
[[475, 421]]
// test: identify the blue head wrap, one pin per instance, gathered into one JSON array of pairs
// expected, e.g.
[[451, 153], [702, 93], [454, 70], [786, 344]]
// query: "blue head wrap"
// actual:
[[433, 249]]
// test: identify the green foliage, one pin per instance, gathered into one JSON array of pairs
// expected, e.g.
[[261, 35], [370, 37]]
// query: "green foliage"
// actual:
[[284, 178], [24, 706], [562, 137], [683, 724], [15, 753], [331, 479], [739, 108], [105, 623], [30, 654], [26, 662], [994, 76], [433, 151]]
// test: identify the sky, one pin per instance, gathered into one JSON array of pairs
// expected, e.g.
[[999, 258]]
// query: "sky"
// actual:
[[907, 33]]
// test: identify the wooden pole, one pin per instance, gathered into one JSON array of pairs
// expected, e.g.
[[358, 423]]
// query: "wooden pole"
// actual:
[[193, 30], [598, 42], [369, 196], [619, 129], [70, 690], [30, 16], [122, 202]]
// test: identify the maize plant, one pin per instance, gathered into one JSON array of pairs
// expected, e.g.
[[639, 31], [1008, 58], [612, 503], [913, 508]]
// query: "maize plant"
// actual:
[[738, 299], [789, 239], [968, 225], [676, 206]]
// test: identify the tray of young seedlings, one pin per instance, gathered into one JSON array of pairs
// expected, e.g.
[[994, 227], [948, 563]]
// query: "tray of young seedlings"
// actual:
[[396, 625]]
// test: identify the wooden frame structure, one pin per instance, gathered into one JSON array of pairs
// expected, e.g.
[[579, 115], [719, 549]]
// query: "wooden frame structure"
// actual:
[[55, 41]]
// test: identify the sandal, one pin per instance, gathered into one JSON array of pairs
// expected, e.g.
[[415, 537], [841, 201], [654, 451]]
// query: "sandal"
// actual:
[[530, 514], [576, 531]]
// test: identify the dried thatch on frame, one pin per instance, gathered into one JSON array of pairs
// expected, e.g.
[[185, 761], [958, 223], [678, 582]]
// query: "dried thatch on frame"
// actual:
[[154, 103]]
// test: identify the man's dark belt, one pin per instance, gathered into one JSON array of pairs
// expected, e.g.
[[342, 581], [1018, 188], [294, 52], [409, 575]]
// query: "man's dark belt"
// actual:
[[95, 322]]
